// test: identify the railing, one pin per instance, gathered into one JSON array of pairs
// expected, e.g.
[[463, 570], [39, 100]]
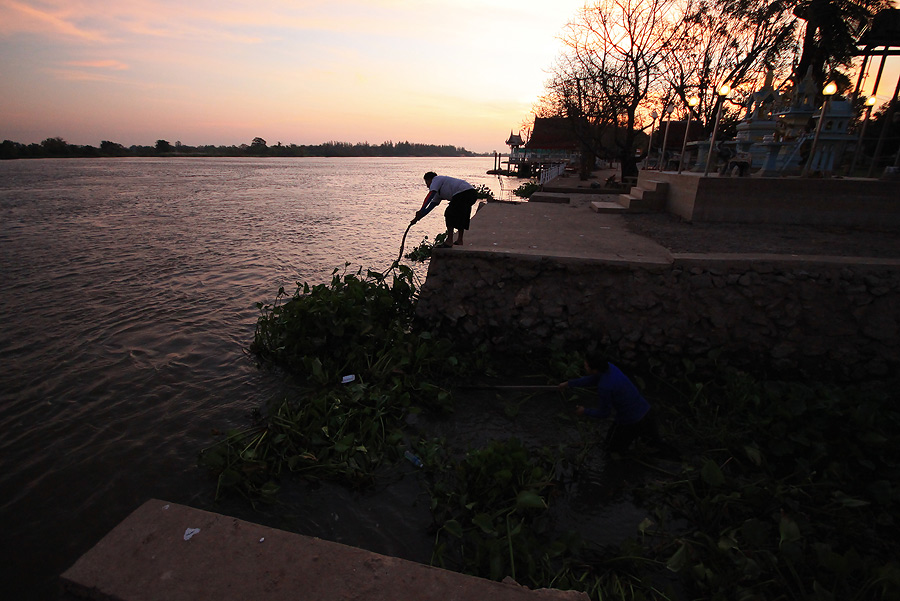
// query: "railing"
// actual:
[[552, 171]]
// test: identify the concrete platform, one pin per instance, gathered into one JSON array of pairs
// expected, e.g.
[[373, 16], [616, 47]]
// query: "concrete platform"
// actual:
[[559, 230], [173, 552]]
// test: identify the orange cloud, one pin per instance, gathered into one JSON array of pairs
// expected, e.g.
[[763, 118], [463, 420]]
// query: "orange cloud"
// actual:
[[76, 75], [112, 65], [17, 16]]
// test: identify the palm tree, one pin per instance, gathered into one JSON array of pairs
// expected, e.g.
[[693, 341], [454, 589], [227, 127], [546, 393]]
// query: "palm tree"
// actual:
[[832, 27]]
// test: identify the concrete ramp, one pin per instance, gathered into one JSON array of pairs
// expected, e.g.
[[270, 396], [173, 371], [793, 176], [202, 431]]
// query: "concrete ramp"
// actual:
[[169, 551]]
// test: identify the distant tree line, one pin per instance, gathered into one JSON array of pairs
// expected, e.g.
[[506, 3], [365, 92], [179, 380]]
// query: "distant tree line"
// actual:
[[59, 148]]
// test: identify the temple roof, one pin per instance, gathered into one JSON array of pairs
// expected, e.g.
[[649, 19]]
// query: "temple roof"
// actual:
[[514, 140], [553, 133]]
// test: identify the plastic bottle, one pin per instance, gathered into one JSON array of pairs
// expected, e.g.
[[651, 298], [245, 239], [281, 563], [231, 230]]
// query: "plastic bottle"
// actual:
[[414, 459]]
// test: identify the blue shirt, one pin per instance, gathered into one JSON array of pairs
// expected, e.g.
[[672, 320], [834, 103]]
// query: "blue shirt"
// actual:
[[616, 393]]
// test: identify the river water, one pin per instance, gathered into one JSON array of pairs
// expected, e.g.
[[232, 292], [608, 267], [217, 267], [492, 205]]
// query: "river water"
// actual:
[[128, 298]]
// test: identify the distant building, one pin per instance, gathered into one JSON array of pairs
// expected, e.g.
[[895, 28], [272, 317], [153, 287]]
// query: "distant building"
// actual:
[[552, 143], [514, 141], [553, 140]]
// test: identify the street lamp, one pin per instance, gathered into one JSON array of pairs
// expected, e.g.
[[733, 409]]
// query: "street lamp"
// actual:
[[668, 111], [723, 92], [828, 92], [870, 102], [653, 116], [692, 102]]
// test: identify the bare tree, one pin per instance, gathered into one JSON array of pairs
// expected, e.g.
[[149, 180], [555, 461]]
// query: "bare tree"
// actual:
[[625, 57], [723, 46], [615, 53]]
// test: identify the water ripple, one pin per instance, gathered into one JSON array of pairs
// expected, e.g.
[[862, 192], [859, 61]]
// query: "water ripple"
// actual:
[[129, 291]]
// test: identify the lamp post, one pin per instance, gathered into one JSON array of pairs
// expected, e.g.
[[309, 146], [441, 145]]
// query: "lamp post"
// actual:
[[692, 102], [653, 116], [870, 102], [828, 92], [723, 92], [668, 111]]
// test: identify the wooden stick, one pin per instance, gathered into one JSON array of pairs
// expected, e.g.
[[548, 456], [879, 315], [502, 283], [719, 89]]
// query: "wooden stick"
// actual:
[[512, 387]]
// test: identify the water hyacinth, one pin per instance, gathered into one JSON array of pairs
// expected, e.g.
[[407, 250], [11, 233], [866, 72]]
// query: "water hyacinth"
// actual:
[[780, 490], [337, 427]]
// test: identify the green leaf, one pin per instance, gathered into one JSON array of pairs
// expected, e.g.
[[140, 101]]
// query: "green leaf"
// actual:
[[789, 529], [645, 525], [711, 474], [679, 560], [528, 499], [484, 521], [754, 455], [846, 501], [453, 527]]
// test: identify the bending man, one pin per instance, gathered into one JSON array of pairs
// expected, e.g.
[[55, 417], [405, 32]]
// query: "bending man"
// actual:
[[462, 197]]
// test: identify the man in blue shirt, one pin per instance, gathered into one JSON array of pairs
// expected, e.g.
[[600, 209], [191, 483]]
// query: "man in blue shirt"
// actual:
[[462, 197], [617, 395]]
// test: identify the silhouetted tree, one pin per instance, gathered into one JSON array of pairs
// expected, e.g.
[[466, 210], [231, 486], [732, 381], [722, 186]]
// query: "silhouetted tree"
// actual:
[[258, 146], [615, 52], [55, 147], [58, 147], [112, 148], [722, 46], [11, 150], [829, 38]]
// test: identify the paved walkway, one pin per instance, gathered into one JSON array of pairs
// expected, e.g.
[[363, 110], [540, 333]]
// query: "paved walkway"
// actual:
[[558, 230]]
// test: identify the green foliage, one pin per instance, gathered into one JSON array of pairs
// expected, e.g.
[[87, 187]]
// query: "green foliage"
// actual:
[[484, 193], [791, 492], [356, 329], [354, 325], [527, 189], [784, 489], [423, 251], [341, 434], [491, 512]]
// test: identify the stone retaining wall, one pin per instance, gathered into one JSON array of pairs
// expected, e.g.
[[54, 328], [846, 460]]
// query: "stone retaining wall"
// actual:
[[833, 201], [835, 317]]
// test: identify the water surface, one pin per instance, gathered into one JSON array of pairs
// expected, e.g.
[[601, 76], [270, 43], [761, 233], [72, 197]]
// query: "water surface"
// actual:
[[128, 297]]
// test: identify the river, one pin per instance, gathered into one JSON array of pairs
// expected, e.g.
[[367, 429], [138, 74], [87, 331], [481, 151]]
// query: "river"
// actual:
[[128, 297]]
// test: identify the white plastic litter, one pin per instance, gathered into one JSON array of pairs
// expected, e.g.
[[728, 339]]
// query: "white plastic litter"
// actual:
[[348, 379], [190, 532]]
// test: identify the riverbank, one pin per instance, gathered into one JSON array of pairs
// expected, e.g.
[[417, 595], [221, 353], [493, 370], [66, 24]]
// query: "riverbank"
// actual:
[[819, 299]]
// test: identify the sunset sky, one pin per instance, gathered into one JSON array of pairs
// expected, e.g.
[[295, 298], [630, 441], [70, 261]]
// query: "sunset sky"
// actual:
[[460, 72]]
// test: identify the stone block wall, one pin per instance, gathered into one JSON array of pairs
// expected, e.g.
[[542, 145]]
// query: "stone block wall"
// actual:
[[831, 317], [833, 201]]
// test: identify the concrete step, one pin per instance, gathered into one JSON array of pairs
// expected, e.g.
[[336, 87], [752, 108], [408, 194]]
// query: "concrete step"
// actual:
[[642, 194], [657, 186], [633, 204], [607, 206], [649, 198], [651, 191], [178, 553]]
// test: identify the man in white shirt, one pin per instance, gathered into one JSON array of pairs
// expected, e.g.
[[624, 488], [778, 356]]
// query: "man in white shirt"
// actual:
[[462, 197]]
